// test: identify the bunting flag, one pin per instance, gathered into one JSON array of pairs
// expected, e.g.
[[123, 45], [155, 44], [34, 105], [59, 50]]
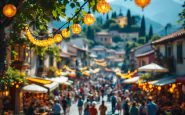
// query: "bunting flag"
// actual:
[[98, 60], [67, 68]]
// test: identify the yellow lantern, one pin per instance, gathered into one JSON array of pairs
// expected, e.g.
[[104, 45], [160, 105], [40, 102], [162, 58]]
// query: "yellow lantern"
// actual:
[[171, 90], [66, 33], [27, 54], [142, 3], [76, 28], [13, 83], [17, 86], [173, 85], [58, 38], [89, 19], [9, 10], [159, 88], [150, 86], [103, 6]]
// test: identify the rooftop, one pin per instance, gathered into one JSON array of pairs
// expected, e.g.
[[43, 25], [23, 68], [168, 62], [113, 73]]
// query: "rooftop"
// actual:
[[110, 50], [169, 37], [103, 33], [97, 49], [134, 49], [73, 46], [120, 53], [145, 54]]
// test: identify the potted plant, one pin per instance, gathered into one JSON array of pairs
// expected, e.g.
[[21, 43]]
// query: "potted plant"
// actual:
[[51, 72], [42, 70], [20, 64]]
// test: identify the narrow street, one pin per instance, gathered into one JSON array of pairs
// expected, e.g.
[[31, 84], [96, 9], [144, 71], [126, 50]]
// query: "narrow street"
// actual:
[[74, 109]]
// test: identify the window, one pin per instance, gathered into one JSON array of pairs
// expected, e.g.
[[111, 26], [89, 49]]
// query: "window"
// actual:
[[50, 61], [169, 50], [180, 53], [21, 52], [143, 63], [105, 39], [101, 39]]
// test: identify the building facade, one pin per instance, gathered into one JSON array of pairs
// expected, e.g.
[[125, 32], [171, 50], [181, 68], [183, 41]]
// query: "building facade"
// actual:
[[103, 38]]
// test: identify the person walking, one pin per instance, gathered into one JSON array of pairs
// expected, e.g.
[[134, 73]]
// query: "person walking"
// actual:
[[118, 106], [93, 110], [56, 107], [134, 109], [31, 109], [80, 106], [103, 108], [64, 104], [68, 103], [86, 110], [126, 107], [113, 103], [142, 109], [122, 103], [151, 107]]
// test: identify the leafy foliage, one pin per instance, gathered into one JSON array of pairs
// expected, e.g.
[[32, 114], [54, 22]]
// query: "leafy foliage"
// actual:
[[114, 26], [154, 37], [107, 24], [13, 77], [142, 40], [145, 76]]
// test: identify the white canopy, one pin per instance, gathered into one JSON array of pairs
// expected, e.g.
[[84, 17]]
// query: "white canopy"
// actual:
[[166, 82], [34, 88], [61, 79], [65, 73], [88, 71], [52, 86], [152, 68], [93, 55], [131, 80]]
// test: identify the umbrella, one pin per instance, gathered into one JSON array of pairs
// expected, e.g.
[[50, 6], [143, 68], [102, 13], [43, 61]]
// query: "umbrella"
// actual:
[[152, 68], [34, 88], [131, 80]]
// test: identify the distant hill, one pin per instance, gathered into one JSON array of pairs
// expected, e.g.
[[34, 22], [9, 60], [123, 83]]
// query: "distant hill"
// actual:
[[157, 14]]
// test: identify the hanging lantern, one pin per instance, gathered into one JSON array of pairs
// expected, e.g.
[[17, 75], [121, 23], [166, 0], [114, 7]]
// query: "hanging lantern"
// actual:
[[66, 33], [173, 85], [159, 88], [9, 10], [58, 38], [171, 90], [142, 3], [150, 86], [17, 86], [103, 6], [89, 19], [76, 28]]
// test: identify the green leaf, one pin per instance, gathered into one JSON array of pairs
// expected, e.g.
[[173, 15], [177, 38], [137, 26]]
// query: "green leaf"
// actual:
[[72, 5], [78, 4]]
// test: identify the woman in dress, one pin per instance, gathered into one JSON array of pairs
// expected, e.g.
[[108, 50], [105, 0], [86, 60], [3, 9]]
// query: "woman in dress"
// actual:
[[118, 107]]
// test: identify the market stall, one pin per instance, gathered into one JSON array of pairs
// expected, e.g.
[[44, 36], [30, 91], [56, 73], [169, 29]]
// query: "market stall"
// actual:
[[131, 80], [33, 88], [152, 68]]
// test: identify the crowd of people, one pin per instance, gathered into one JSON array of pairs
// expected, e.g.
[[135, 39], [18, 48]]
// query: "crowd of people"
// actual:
[[89, 93]]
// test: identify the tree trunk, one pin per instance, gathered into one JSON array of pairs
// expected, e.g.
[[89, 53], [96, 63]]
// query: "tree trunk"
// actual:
[[3, 47]]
